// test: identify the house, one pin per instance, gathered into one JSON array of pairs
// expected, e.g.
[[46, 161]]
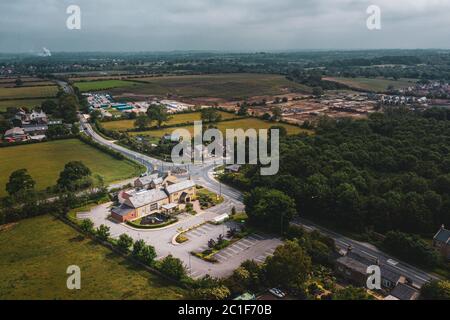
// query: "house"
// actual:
[[353, 267], [142, 202], [181, 192], [405, 292], [38, 117], [154, 180], [35, 129], [441, 241], [16, 134]]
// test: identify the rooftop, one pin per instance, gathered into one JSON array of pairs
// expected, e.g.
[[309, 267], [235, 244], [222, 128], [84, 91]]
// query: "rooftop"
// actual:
[[405, 292], [145, 197], [183, 185], [443, 235]]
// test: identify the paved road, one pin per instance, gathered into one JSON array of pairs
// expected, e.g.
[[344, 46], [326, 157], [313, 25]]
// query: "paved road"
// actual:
[[203, 174], [416, 275]]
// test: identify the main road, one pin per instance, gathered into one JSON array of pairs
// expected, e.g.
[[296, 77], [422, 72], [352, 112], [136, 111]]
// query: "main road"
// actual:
[[203, 175]]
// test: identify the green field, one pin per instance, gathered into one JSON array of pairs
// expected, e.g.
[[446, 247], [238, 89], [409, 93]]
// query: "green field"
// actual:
[[103, 85], [124, 125], [373, 84], [248, 123], [224, 86], [26, 103], [34, 264], [28, 92], [45, 161]]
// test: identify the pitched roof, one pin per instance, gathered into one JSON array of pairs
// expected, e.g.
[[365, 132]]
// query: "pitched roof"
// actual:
[[405, 292], [443, 235], [145, 197], [14, 131], [183, 185], [148, 179]]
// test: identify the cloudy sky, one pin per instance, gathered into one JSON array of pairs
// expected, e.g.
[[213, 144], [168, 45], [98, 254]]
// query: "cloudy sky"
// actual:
[[240, 25]]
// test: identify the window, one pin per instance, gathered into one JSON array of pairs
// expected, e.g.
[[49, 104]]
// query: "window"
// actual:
[[154, 206]]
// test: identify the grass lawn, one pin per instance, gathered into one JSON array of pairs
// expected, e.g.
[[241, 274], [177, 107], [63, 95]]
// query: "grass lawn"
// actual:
[[103, 85], [249, 123], [28, 92], [34, 266], [45, 161], [225, 86], [123, 125], [373, 84], [27, 103]]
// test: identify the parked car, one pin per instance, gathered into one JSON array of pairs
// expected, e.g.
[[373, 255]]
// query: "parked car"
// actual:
[[277, 293]]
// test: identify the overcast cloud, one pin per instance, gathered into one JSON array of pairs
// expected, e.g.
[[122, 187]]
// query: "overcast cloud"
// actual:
[[241, 25]]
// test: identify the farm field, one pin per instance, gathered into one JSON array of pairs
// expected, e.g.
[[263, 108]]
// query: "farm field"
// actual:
[[26, 103], [248, 123], [224, 86], [44, 161], [28, 92], [123, 125], [373, 84], [103, 85], [35, 266]]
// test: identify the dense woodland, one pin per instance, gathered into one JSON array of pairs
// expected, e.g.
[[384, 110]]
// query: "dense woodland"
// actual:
[[390, 172]]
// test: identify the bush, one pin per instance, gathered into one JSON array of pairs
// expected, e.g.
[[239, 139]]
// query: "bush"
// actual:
[[173, 267]]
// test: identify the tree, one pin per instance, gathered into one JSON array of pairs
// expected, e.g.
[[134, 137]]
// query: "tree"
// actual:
[[87, 226], [57, 131], [138, 247], [158, 113], [95, 115], [317, 91], [4, 125], [211, 243], [351, 293], [125, 242], [210, 115], [148, 254], [215, 293], [243, 109], [173, 267], [277, 113], [289, 266], [18, 82], [269, 209], [103, 232], [436, 290], [67, 108], [142, 121], [49, 106], [74, 176], [20, 182]]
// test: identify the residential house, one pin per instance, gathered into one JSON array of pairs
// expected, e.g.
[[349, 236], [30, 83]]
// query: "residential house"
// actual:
[[139, 203], [353, 267], [405, 292], [15, 135], [38, 117], [154, 180], [35, 129], [441, 241]]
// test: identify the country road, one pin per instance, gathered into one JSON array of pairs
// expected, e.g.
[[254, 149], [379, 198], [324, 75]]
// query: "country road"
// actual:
[[203, 175]]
